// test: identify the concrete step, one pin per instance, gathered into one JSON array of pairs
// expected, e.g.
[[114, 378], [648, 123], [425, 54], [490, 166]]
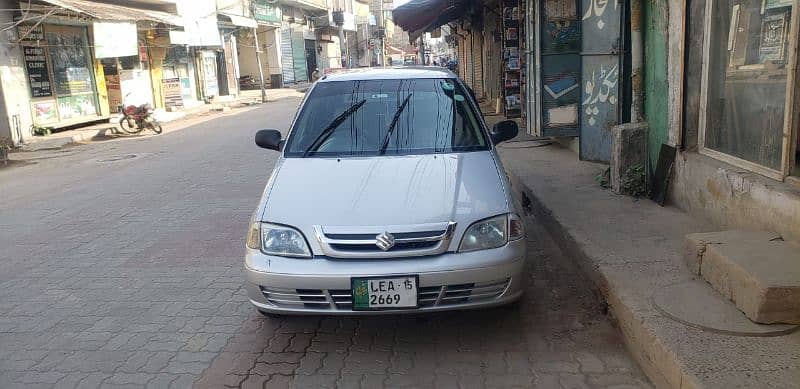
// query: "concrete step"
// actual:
[[757, 271]]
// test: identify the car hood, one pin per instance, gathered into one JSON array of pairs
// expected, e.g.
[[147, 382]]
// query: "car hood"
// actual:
[[384, 191]]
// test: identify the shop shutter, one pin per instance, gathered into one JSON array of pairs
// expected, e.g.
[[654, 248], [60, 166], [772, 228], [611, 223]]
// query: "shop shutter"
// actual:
[[299, 55], [477, 63], [468, 70], [462, 58], [287, 63]]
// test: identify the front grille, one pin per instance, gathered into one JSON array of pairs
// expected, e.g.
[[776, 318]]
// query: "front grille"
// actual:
[[372, 247], [428, 296], [362, 242]]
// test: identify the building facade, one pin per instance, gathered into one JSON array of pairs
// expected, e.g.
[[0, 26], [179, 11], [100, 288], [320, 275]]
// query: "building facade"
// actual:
[[74, 62], [714, 80]]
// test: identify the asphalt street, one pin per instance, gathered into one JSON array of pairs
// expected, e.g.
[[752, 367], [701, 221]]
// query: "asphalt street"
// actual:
[[121, 266]]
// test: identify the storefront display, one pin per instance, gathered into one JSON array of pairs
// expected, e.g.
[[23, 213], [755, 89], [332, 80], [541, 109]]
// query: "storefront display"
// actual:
[[747, 83], [60, 73], [512, 62]]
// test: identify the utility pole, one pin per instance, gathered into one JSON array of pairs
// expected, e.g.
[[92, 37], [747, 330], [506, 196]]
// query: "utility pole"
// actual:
[[422, 49], [260, 69], [382, 32], [338, 19]]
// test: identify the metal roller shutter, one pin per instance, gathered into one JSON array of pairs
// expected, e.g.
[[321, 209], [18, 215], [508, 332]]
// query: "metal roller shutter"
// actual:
[[299, 55], [287, 63], [468, 70], [477, 63]]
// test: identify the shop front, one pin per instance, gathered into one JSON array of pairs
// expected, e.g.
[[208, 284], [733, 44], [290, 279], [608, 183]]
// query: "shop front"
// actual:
[[294, 66], [61, 74], [749, 86], [178, 77], [737, 160], [121, 49], [576, 67]]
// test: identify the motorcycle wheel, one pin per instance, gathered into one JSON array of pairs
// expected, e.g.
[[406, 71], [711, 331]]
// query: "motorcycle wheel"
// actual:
[[156, 127], [129, 126]]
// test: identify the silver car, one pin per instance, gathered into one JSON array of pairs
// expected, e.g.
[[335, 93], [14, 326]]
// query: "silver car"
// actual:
[[388, 197]]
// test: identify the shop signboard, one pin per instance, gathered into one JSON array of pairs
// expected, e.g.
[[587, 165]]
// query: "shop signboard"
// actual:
[[114, 39], [38, 77], [30, 33], [267, 12], [171, 87]]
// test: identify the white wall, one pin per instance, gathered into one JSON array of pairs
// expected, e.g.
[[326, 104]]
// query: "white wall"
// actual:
[[14, 101]]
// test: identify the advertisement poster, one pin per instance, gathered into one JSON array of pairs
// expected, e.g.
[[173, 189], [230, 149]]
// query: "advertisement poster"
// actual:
[[71, 70], [70, 107], [172, 92], [774, 29], [36, 65], [44, 112]]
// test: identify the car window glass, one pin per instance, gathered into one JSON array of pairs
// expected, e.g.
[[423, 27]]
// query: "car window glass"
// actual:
[[416, 116]]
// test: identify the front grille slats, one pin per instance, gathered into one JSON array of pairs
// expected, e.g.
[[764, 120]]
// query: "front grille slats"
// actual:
[[402, 246], [427, 296], [362, 242]]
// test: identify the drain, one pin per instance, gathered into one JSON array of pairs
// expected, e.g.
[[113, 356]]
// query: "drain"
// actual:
[[695, 304], [117, 158]]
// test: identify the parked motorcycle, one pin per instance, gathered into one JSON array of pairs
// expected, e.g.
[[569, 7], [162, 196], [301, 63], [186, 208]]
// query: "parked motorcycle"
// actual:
[[137, 118]]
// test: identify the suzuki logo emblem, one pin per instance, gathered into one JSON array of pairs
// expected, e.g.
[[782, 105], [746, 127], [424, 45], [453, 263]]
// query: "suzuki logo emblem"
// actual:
[[384, 241]]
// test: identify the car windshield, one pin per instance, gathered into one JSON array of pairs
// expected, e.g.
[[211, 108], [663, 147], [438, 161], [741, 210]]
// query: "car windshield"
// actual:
[[376, 117]]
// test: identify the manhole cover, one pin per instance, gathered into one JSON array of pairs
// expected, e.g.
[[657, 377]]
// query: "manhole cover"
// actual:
[[696, 304], [117, 158]]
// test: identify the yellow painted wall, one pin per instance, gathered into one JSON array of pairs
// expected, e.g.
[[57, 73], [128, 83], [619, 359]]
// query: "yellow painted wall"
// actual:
[[157, 50], [102, 92]]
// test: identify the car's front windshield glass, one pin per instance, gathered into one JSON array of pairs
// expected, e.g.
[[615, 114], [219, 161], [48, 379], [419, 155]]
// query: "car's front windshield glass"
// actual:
[[377, 117]]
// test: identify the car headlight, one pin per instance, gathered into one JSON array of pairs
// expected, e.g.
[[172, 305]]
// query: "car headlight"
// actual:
[[492, 233], [274, 239]]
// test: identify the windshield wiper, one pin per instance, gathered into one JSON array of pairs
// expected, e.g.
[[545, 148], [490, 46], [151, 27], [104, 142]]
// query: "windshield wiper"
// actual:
[[389, 132], [327, 131]]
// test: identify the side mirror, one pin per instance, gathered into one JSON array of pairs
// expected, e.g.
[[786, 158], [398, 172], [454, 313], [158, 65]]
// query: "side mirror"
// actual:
[[503, 131], [269, 139]]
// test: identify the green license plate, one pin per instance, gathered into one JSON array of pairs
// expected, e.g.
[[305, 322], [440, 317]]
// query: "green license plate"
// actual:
[[384, 293]]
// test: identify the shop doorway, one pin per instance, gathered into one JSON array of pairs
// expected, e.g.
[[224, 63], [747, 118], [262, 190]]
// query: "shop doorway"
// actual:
[[311, 56]]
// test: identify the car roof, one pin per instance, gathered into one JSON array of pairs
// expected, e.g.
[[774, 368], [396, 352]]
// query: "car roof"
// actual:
[[389, 73]]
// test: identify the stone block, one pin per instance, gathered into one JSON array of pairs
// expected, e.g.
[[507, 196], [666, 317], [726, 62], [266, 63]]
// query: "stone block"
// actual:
[[696, 243], [761, 277], [628, 151]]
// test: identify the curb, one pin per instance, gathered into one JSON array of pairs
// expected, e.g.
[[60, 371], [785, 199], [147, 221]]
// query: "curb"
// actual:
[[659, 363]]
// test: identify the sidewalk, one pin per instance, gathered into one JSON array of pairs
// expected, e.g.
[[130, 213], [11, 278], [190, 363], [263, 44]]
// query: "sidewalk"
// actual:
[[105, 129], [632, 249]]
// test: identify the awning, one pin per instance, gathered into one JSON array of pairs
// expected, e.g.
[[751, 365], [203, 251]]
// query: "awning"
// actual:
[[237, 20], [418, 16], [104, 11]]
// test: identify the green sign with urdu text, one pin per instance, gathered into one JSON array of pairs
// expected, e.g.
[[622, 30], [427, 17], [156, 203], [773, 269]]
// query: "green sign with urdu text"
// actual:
[[265, 11]]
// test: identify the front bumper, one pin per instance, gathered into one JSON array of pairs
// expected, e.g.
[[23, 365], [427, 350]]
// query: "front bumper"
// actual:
[[449, 281]]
